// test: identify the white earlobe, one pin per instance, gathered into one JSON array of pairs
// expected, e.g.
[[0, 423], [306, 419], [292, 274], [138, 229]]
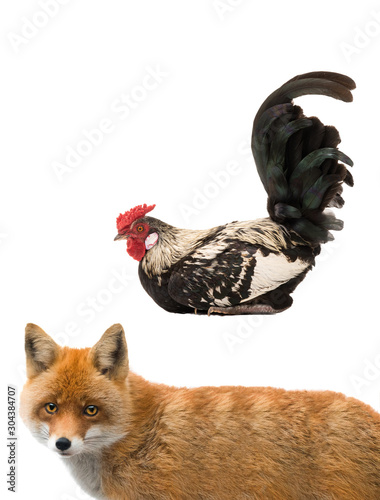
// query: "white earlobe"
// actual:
[[151, 240]]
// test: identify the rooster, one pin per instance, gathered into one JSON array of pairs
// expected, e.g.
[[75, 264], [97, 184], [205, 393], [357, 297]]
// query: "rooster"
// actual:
[[252, 267]]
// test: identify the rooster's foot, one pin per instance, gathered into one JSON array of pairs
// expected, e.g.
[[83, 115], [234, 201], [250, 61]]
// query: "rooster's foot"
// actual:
[[245, 309]]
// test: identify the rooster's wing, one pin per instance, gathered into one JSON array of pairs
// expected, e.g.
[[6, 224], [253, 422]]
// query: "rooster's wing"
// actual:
[[229, 273]]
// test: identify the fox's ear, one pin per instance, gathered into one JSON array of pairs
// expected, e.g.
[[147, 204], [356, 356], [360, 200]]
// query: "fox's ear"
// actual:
[[110, 354], [41, 350]]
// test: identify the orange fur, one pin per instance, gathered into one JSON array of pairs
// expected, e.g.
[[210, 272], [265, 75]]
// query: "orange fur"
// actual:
[[215, 443]]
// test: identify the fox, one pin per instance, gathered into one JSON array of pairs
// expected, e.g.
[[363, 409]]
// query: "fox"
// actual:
[[125, 438]]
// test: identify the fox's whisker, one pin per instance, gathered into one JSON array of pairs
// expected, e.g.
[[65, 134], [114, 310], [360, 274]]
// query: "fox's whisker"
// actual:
[[41, 433]]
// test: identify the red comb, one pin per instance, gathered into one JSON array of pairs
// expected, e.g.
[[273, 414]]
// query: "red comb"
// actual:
[[126, 219]]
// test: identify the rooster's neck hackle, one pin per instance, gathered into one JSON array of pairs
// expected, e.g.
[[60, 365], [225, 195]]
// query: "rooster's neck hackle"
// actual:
[[173, 244]]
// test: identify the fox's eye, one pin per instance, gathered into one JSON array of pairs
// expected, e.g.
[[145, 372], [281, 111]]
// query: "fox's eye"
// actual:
[[91, 410], [140, 228], [51, 408]]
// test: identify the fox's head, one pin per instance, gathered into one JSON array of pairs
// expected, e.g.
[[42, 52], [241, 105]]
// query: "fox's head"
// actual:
[[75, 400]]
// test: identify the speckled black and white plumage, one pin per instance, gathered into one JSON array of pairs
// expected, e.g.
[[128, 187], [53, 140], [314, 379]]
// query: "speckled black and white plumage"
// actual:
[[253, 267], [239, 263]]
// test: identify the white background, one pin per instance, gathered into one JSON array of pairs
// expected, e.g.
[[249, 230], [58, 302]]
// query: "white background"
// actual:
[[218, 61]]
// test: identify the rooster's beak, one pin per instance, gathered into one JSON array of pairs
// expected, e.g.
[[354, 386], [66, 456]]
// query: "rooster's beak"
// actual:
[[120, 237]]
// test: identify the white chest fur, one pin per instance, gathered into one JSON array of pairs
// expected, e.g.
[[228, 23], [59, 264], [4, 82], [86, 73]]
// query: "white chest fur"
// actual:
[[85, 468]]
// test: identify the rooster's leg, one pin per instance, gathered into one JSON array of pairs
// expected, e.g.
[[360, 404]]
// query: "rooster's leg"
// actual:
[[245, 309], [273, 302]]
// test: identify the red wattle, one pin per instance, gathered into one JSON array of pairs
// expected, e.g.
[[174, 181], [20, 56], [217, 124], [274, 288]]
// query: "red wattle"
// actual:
[[135, 248]]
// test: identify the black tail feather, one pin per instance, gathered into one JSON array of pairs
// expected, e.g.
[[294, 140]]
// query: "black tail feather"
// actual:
[[297, 157]]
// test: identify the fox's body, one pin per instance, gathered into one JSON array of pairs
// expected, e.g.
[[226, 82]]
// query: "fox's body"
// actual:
[[153, 442]]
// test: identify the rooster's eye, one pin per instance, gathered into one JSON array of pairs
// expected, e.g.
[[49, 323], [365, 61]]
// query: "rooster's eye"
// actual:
[[51, 408], [140, 228], [91, 410]]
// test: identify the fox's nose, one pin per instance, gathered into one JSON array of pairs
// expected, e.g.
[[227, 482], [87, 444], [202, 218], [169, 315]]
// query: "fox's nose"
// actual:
[[63, 444]]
